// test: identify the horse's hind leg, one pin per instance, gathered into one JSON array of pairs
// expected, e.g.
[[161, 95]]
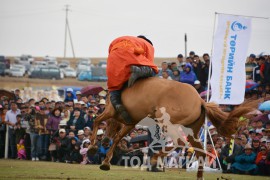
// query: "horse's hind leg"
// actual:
[[195, 126], [199, 154], [106, 163], [104, 116]]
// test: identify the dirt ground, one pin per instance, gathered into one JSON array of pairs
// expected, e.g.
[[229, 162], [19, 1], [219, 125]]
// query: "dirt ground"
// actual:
[[9, 83], [16, 169]]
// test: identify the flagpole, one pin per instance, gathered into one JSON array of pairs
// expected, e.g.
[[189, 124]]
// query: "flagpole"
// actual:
[[208, 85], [244, 15], [206, 130]]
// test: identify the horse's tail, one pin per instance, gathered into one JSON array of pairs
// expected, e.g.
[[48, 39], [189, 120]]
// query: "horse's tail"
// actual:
[[226, 123]]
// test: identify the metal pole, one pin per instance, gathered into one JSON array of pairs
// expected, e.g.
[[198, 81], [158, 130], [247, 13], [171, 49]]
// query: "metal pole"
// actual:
[[6, 143], [186, 45], [215, 150], [208, 87]]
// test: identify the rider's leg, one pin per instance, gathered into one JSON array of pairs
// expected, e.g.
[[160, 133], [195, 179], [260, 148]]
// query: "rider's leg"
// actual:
[[139, 72], [115, 97]]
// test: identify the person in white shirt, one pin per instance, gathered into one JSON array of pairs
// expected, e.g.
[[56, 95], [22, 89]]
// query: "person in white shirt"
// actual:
[[259, 127], [11, 121]]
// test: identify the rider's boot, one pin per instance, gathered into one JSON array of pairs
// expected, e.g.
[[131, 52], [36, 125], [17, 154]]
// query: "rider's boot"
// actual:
[[119, 107], [139, 72]]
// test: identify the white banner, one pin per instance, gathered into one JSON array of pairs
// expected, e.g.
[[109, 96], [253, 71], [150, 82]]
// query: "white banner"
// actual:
[[228, 60]]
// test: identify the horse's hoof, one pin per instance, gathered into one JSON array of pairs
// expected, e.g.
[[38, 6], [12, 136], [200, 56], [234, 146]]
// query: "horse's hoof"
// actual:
[[104, 167], [92, 150]]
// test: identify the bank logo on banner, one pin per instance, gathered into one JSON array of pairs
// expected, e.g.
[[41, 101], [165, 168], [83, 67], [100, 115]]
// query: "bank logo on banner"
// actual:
[[236, 26], [228, 59]]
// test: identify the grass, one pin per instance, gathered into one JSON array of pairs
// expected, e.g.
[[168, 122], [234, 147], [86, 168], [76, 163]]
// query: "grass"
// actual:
[[16, 169]]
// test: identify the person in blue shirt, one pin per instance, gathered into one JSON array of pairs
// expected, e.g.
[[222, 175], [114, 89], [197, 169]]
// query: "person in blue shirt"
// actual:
[[245, 163], [103, 149], [188, 76], [70, 96]]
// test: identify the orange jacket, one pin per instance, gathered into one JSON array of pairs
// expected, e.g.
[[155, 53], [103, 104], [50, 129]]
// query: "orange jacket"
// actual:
[[260, 157], [211, 159], [124, 52]]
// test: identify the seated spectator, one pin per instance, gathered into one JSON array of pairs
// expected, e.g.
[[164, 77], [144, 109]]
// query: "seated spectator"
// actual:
[[78, 95], [263, 162], [101, 106], [211, 155], [173, 66], [180, 58], [71, 135], [176, 75], [212, 129], [87, 132], [214, 136], [245, 163], [63, 146], [267, 131], [219, 144], [66, 115], [100, 135], [259, 135], [81, 136], [238, 140], [198, 86], [83, 151], [165, 75], [164, 67], [76, 122], [174, 155], [75, 156], [186, 162], [256, 145], [132, 135], [21, 153], [103, 126], [70, 96], [226, 157], [120, 151], [89, 118], [188, 76], [243, 140], [103, 149], [182, 66], [123, 146], [263, 142], [19, 131], [252, 135], [259, 126]]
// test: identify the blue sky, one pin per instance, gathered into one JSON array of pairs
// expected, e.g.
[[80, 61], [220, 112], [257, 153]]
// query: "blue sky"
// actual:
[[36, 27]]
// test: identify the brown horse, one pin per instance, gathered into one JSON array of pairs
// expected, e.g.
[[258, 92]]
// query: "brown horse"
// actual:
[[182, 103]]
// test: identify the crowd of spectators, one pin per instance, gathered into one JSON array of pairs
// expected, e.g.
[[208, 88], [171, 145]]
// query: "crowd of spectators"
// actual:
[[60, 131]]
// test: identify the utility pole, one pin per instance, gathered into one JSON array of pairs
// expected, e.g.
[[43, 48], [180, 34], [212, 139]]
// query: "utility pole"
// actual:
[[185, 45], [66, 26], [67, 30]]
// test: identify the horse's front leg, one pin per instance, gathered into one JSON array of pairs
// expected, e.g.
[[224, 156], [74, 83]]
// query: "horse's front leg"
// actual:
[[106, 163]]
